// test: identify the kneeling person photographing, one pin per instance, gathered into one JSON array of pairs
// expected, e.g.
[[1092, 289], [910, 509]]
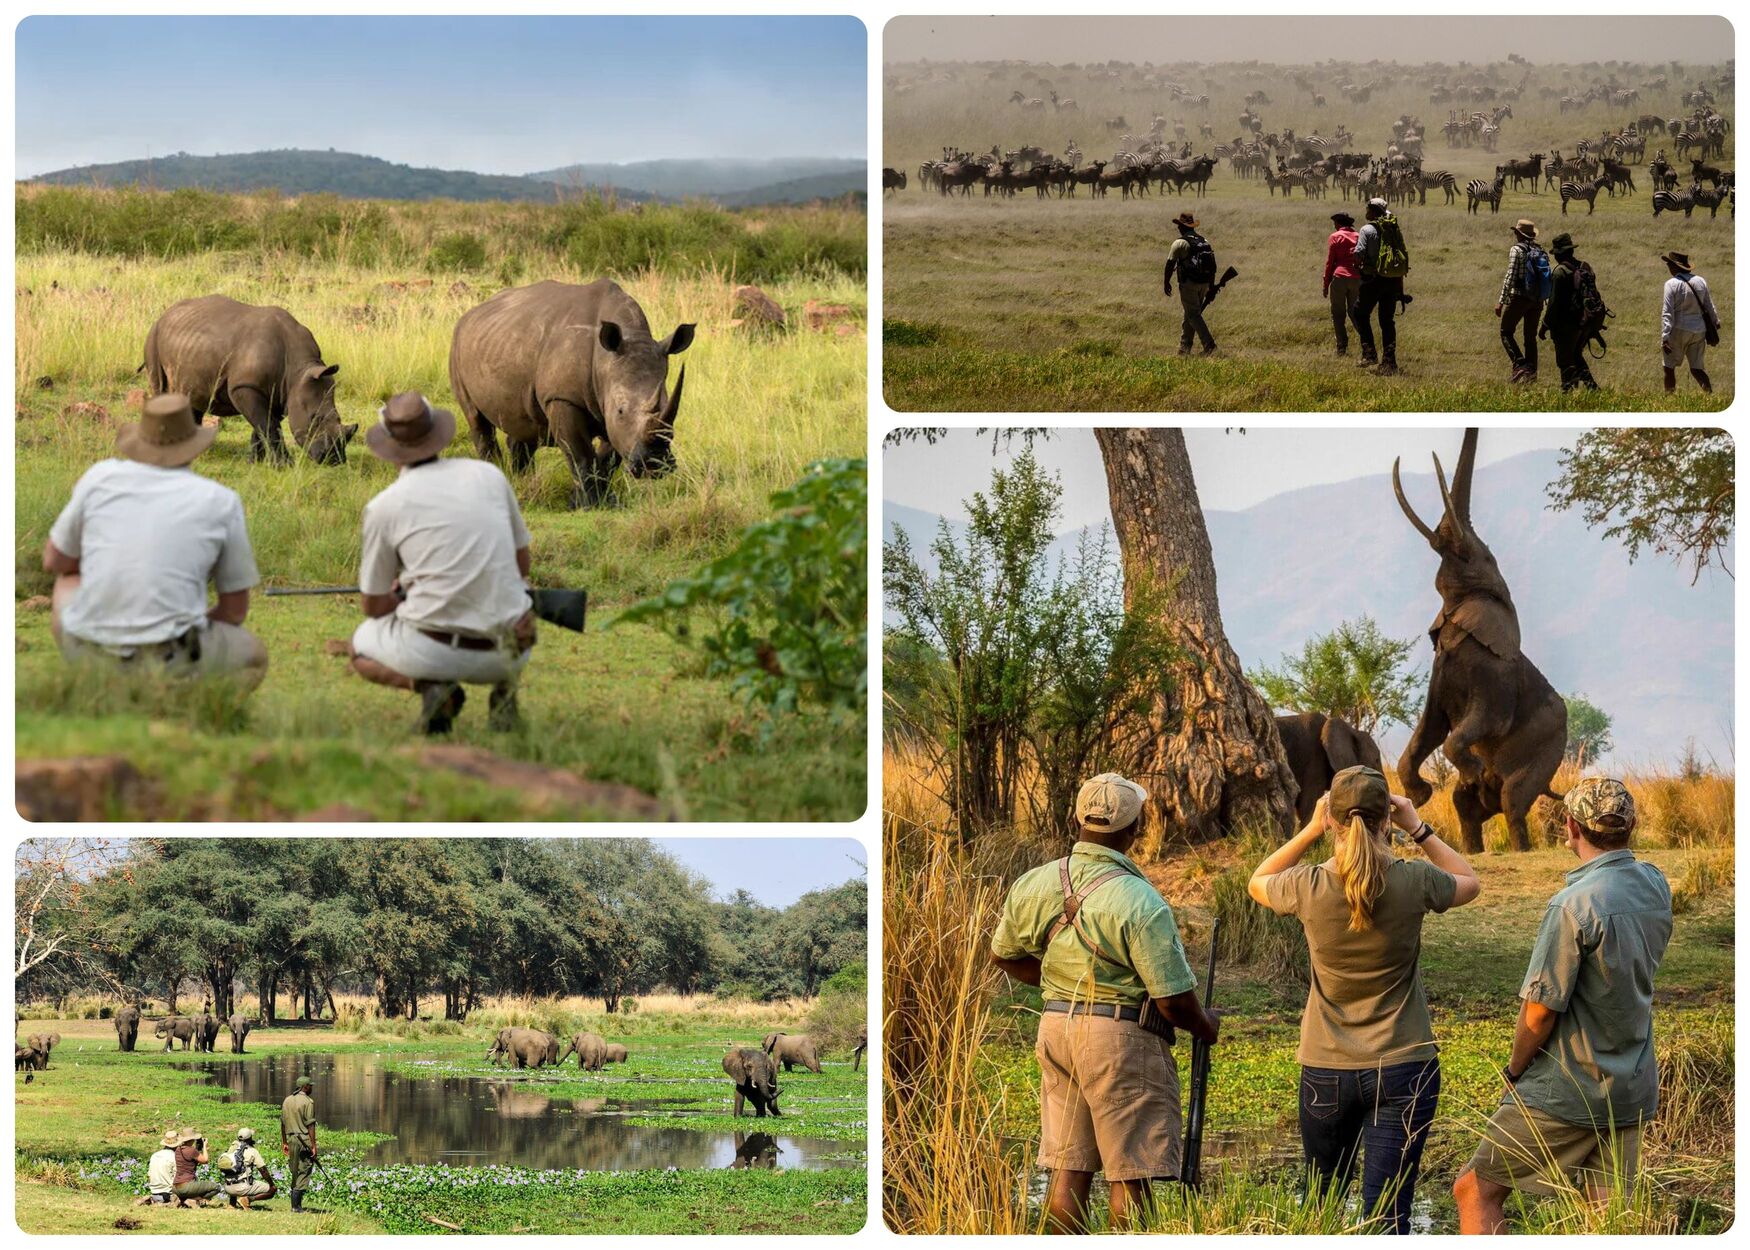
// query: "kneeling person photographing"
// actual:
[[443, 575], [1103, 946]]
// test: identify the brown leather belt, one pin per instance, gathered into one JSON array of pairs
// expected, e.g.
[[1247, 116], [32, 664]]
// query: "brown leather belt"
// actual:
[[464, 641]]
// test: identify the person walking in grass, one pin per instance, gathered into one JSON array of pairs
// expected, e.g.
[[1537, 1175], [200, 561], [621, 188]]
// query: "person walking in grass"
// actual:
[[1103, 947], [1688, 322], [1582, 1080], [1342, 279], [443, 572], [1572, 287], [1193, 260], [1525, 288], [1370, 1068], [135, 548], [1382, 259]]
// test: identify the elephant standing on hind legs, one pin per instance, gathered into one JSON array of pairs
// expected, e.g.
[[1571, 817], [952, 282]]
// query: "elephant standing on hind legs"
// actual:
[[1496, 718]]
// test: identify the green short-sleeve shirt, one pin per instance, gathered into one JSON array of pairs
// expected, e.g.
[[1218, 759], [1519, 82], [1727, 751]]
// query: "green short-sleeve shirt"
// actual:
[[298, 1117], [1602, 940], [1365, 1007], [1127, 918]]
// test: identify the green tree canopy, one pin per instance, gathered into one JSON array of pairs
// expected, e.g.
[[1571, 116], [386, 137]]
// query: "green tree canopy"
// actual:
[[1588, 730], [1668, 489], [1355, 672]]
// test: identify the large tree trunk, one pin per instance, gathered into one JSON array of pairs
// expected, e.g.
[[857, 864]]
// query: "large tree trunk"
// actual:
[[1208, 752]]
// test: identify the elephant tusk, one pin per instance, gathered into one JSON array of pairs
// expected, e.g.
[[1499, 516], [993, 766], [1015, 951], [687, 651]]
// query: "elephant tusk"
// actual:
[[1398, 486]]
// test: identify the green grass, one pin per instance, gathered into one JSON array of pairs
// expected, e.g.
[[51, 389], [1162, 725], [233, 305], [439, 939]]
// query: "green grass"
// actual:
[[620, 705], [96, 1114], [1473, 960], [967, 282]]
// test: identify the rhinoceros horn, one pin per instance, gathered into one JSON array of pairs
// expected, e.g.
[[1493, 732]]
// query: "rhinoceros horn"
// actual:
[[674, 400]]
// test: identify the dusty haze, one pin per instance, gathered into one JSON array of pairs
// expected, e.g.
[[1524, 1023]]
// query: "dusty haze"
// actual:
[[1301, 40]]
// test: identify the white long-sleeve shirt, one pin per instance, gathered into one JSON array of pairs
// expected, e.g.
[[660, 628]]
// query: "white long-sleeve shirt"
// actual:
[[1684, 299]]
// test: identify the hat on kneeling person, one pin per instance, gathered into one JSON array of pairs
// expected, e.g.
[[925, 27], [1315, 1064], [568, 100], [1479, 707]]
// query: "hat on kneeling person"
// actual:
[[411, 430], [167, 433]]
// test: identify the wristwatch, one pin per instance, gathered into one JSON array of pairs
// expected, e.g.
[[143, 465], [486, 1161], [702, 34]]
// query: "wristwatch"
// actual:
[[1507, 1075], [1423, 834]]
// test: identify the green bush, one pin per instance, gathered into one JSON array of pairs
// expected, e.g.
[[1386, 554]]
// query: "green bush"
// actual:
[[456, 252], [790, 602], [841, 1011]]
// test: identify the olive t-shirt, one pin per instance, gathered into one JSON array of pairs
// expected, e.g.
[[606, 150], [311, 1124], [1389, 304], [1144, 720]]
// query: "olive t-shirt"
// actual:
[[1365, 1008]]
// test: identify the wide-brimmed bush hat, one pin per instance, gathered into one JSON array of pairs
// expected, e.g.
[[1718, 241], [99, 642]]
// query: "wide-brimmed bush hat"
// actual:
[[171, 1138], [1186, 219], [411, 430], [1525, 228], [1562, 244], [167, 433], [1680, 259]]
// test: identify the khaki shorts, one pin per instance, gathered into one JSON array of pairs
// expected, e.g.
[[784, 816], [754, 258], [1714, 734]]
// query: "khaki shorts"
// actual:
[[1685, 345], [224, 649], [401, 646], [251, 1189], [1108, 1098], [1524, 1149]]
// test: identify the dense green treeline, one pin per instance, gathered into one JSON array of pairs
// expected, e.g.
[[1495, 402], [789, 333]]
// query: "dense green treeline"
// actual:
[[397, 918]]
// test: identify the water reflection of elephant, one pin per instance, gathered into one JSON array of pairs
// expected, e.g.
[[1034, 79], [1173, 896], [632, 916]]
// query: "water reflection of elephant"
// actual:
[[517, 1101], [755, 1150]]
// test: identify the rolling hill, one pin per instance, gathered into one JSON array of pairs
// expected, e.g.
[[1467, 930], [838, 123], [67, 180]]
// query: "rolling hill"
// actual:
[[1637, 639], [294, 171]]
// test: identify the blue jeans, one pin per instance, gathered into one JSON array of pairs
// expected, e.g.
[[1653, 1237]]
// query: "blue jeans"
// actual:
[[1390, 1110]]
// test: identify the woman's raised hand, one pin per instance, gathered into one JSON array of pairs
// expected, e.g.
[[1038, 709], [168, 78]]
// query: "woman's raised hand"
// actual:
[[1404, 814]]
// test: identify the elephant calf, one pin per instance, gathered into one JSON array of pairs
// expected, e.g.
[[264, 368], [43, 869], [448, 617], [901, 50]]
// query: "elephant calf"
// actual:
[[791, 1049], [42, 1044], [756, 1080]]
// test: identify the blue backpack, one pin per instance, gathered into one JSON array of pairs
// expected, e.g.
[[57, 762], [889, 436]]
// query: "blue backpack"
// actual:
[[1535, 278]]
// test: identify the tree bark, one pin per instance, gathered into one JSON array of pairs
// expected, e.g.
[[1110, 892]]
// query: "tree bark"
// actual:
[[1207, 752]]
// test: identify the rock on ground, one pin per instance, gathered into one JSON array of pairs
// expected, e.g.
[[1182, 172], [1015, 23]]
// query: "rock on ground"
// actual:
[[83, 787], [541, 785]]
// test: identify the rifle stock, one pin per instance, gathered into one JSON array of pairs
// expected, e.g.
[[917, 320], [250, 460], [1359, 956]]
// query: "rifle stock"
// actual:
[[1191, 1160], [1228, 275]]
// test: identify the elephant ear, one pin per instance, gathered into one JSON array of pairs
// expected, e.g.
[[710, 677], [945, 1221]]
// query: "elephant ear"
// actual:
[[1489, 621], [1339, 739], [736, 1067]]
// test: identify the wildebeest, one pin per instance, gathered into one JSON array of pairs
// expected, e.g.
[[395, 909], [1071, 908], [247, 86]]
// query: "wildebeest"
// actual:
[[892, 179], [259, 362], [576, 366]]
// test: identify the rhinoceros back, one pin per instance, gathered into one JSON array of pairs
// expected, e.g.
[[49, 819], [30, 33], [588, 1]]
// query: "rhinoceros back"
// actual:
[[203, 347], [529, 344]]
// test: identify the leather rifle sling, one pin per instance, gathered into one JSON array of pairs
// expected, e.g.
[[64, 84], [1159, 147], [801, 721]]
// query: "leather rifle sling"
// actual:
[[1072, 906]]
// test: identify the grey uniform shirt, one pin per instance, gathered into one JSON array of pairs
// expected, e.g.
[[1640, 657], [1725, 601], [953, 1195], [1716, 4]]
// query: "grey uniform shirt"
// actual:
[[1602, 940], [450, 530], [148, 540]]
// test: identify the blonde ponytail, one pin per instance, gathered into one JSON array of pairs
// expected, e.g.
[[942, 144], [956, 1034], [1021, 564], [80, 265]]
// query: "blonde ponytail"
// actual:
[[1361, 861]]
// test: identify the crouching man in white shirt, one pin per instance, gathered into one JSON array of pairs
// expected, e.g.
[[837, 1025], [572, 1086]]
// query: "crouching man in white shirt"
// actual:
[[443, 576], [134, 549]]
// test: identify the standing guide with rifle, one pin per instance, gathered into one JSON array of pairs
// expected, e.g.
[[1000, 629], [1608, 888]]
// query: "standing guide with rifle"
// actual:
[[1193, 260]]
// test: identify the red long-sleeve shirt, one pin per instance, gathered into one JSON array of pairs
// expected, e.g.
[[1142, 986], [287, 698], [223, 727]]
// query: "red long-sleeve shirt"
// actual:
[[1340, 260]]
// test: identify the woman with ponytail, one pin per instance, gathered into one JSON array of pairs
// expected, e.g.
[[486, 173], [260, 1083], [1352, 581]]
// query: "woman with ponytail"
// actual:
[[1370, 1071]]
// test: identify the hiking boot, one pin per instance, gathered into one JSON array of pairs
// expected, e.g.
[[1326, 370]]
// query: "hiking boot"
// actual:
[[1387, 368], [1522, 377], [1208, 351], [503, 714], [1368, 357], [440, 704], [1184, 349], [1342, 349], [298, 1200]]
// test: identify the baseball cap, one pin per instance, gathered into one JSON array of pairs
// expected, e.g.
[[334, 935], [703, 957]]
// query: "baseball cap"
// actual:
[[1108, 803], [1601, 803], [1360, 789]]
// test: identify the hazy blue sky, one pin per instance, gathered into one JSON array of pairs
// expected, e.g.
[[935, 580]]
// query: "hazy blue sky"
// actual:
[[1233, 470], [496, 94], [1298, 40], [777, 871]]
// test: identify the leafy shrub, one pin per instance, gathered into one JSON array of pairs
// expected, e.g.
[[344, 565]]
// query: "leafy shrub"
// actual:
[[790, 601], [462, 250], [841, 1011]]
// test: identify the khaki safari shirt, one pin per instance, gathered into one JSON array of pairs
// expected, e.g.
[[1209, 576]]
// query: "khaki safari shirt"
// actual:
[[298, 1117], [1126, 917], [1601, 942], [1365, 1008]]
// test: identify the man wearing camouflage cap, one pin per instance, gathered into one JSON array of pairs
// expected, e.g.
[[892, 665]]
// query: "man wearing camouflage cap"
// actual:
[[1582, 1080], [1102, 945]]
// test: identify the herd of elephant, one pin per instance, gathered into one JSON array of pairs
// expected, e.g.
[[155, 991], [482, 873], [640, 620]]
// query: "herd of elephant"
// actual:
[[552, 364], [194, 1032], [752, 1070]]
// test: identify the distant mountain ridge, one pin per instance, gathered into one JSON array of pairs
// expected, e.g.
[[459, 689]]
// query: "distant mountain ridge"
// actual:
[[1637, 639], [298, 171]]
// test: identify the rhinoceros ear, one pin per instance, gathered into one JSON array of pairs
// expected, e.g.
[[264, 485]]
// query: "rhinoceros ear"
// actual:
[[679, 341], [609, 335]]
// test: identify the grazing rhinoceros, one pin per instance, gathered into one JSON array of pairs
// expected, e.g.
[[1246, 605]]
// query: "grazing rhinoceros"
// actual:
[[234, 359], [572, 365]]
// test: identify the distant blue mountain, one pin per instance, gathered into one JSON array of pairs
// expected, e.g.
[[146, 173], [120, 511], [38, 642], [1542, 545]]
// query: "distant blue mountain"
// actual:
[[1637, 639]]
